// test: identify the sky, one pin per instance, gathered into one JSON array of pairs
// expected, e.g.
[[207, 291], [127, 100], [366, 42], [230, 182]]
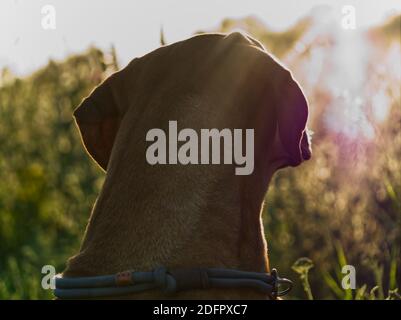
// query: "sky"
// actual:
[[133, 26]]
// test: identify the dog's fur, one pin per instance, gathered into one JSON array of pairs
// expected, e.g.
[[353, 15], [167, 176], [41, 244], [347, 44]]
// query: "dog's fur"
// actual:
[[195, 215]]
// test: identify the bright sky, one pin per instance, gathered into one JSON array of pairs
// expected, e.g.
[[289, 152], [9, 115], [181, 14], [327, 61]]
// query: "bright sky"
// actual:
[[133, 26]]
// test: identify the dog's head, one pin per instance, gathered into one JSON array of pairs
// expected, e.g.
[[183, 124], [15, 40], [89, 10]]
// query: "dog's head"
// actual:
[[208, 81]]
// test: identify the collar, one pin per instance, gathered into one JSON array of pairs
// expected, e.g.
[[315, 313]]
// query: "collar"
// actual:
[[170, 281]]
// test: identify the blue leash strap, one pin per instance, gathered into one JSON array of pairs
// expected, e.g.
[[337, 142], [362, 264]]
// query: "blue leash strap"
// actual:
[[169, 281]]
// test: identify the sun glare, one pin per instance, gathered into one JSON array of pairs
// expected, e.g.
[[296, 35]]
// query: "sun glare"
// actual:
[[349, 66]]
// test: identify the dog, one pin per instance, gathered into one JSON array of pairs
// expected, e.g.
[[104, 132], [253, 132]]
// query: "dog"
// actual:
[[187, 215]]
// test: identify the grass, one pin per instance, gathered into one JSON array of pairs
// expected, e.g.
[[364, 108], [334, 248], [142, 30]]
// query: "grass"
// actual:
[[341, 208], [303, 266]]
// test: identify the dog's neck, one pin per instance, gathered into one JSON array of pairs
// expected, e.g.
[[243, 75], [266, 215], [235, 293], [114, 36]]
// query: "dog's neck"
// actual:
[[176, 223]]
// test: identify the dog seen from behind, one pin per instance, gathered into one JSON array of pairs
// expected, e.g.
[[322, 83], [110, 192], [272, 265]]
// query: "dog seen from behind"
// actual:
[[189, 212]]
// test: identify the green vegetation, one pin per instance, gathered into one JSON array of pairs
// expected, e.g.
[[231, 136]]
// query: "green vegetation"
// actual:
[[47, 182], [343, 207]]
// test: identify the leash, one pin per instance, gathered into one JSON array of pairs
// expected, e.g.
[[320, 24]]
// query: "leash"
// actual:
[[170, 282]]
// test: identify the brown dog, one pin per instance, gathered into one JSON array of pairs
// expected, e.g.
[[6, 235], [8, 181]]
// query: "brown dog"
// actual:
[[187, 215]]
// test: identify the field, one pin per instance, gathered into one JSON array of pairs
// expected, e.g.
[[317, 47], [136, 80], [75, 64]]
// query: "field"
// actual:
[[341, 208]]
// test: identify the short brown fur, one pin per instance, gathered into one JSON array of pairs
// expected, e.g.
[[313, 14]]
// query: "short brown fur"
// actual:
[[195, 215]]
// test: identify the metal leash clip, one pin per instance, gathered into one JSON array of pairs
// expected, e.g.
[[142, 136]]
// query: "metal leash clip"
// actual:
[[277, 282]]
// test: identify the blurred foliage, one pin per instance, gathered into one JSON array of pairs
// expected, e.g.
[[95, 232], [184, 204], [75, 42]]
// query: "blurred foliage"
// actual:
[[342, 207], [47, 184], [278, 42], [389, 31]]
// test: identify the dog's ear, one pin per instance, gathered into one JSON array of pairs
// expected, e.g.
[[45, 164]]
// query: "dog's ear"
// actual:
[[292, 111], [98, 118]]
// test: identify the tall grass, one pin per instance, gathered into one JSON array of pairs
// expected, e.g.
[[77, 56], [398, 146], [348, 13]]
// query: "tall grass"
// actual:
[[341, 208]]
